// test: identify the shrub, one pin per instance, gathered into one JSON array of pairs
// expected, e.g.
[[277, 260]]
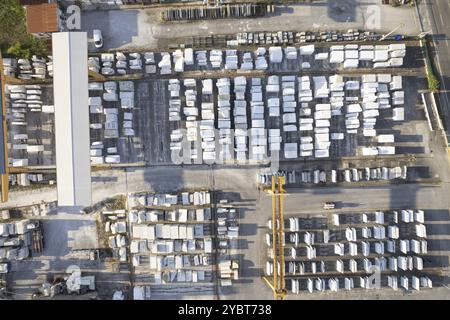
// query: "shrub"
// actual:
[[433, 82]]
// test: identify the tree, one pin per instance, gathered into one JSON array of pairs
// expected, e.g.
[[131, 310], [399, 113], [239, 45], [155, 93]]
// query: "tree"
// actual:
[[12, 21], [433, 83], [14, 39], [18, 50]]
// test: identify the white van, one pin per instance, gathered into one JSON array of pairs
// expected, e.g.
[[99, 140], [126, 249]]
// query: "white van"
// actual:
[[98, 39]]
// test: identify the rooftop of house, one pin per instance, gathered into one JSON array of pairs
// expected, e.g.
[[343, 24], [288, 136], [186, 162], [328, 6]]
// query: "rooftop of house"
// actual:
[[42, 18]]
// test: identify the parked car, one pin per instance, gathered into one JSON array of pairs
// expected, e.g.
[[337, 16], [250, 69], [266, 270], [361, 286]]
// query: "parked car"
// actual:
[[98, 39], [329, 205]]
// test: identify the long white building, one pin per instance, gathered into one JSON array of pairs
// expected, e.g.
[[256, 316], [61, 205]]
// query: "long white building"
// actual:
[[70, 83]]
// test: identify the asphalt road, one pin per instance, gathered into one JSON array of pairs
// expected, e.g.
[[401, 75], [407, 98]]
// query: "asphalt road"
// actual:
[[307, 201], [434, 16]]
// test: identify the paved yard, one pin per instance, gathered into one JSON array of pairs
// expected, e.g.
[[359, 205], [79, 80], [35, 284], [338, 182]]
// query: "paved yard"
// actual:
[[63, 233], [143, 28]]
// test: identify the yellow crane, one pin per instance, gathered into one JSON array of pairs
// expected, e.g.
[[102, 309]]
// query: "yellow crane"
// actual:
[[277, 284]]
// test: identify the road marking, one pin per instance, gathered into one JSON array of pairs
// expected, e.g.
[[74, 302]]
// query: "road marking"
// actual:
[[442, 20]]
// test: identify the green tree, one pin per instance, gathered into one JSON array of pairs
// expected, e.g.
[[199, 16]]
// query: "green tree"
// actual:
[[12, 21], [18, 50], [433, 83], [14, 39]]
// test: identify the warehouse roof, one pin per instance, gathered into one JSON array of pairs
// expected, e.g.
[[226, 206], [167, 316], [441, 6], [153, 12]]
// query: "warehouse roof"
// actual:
[[42, 18], [73, 168]]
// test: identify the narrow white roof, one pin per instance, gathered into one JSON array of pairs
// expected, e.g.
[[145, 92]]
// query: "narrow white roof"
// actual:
[[70, 81]]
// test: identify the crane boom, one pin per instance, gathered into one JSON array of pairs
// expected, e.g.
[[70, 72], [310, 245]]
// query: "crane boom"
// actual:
[[274, 233], [278, 285], [281, 231]]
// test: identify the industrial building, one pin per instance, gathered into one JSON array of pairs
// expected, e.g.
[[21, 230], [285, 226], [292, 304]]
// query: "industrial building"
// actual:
[[73, 168]]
